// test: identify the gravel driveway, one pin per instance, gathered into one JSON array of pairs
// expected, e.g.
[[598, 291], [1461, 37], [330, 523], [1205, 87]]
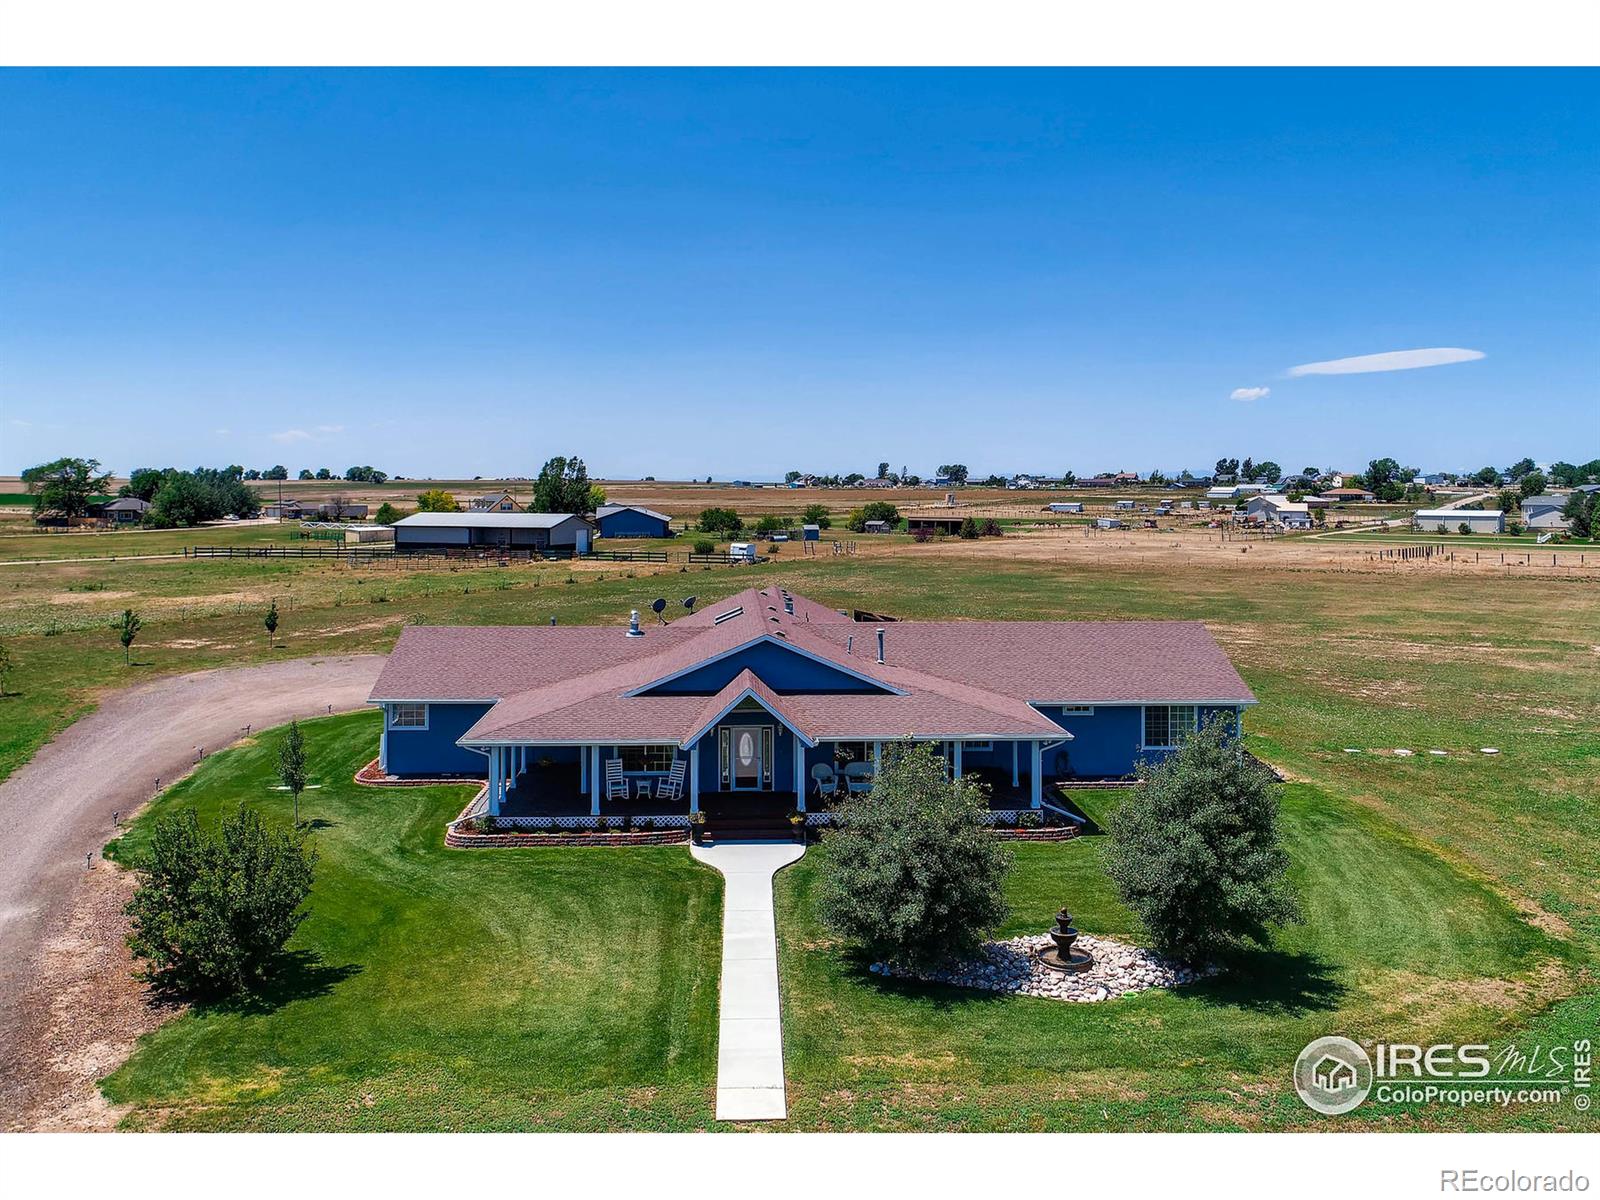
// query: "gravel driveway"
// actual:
[[57, 808]]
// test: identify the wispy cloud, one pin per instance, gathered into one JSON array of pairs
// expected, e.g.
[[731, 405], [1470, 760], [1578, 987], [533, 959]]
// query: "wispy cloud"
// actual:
[[330, 428], [1393, 360], [1250, 393], [291, 435]]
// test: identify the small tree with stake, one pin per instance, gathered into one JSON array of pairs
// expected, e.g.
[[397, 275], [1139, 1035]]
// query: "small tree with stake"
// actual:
[[272, 621], [292, 765], [127, 631]]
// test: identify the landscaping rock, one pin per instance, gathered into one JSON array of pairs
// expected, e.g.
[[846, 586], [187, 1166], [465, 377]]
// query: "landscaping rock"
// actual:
[[1010, 966]]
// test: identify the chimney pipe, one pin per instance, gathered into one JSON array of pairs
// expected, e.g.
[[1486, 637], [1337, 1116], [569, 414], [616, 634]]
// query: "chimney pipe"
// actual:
[[633, 624], [880, 643], [552, 620]]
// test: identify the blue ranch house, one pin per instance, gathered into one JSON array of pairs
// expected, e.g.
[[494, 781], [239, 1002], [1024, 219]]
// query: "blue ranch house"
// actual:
[[769, 701]]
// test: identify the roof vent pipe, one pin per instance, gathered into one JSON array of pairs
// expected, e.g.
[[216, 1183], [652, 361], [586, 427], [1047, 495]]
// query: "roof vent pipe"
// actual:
[[552, 620], [633, 624], [850, 644], [880, 643]]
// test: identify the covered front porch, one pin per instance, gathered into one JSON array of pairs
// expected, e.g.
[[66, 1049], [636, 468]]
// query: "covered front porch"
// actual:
[[738, 768]]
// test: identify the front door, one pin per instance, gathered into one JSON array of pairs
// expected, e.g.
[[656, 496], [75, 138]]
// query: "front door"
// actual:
[[747, 757]]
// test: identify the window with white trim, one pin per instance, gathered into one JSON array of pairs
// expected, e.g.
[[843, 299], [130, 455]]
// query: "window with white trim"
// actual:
[[1077, 710], [980, 747], [656, 758], [1166, 725], [408, 716]]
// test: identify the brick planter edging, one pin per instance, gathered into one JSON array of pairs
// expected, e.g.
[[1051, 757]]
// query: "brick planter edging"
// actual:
[[372, 775], [1054, 833], [461, 840]]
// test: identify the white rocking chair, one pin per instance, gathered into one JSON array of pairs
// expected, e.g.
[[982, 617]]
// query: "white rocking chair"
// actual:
[[671, 788], [616, 784]]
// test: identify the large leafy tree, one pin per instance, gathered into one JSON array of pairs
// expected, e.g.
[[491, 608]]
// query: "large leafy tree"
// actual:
[[719, 520], [1532, 484], [910, 872], [66, 486], [436, 500], [145, 482], [954, 472], [1196, 853], [562, 487], [213, 911], [1582, 511]]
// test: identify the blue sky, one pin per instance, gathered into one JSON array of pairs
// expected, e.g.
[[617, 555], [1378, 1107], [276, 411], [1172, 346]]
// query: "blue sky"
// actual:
[[734, 273]]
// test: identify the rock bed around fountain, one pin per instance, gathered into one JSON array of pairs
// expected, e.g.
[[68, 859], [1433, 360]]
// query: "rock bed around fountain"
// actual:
[[1010, 966]]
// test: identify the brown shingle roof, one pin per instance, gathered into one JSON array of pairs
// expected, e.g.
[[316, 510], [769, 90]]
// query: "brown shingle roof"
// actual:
[[941, 678]]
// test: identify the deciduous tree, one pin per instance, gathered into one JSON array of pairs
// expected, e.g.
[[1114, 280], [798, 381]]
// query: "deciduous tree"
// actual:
[[66, 486]]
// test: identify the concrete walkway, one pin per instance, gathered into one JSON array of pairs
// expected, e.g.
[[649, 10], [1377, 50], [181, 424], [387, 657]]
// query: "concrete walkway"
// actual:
[[750, 1031]]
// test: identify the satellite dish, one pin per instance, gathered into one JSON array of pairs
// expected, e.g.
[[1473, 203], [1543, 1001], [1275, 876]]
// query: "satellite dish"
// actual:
[[657, 606], [690, 603]]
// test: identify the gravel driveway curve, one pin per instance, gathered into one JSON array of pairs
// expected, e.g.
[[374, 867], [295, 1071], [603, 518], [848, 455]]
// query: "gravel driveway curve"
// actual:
[[57, 808]]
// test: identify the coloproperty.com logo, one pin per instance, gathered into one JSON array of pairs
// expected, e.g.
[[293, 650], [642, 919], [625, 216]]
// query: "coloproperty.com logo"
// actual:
[[1334, 1075]]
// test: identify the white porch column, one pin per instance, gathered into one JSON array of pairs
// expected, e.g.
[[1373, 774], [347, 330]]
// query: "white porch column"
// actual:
[[877, 757], [957, 764], [594, 781], [494, 782], [694, 778], [800, 774], [1015, 759], [513, 754], [583, 768], [1036, 784]]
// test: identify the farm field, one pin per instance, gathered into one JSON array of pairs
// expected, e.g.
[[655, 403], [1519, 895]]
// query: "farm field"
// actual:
[[1447, 894]]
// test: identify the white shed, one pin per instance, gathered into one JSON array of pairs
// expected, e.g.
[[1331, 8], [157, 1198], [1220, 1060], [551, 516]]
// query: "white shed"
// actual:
[[1449, 520]]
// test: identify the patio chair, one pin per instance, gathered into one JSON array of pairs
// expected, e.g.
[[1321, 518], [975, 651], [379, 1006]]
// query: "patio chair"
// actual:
[[858, 776], [616, 782], [671, 788], [824, 780]]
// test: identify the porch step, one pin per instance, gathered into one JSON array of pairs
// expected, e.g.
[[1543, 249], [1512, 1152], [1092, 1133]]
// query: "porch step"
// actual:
[[747, 827]]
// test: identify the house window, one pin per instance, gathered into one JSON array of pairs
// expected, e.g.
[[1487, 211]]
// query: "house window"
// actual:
[[656, 759], [1166, 725], [849, 752], [980, 747], [1077, 710], [408, 716]]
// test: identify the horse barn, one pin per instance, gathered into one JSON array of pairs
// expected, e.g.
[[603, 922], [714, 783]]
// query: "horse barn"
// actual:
[[632, 520], [1449, 520], [526, 532]]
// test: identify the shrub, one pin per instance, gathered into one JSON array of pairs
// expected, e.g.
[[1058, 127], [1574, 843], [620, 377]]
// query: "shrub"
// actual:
[[921, 534], [991, 528], [1028, 819], [912, 874], [387, 514], [1463, 528], [969, 529], [817, 514], [213, 911], [1515, 528], [1195, 852], [704, 547]]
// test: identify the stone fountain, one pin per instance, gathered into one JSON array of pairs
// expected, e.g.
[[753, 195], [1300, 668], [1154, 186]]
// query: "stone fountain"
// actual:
[[1061, 956]]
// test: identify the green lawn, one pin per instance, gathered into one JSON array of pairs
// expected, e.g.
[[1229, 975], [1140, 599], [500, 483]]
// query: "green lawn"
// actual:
[[441, 989], [1396, 944]]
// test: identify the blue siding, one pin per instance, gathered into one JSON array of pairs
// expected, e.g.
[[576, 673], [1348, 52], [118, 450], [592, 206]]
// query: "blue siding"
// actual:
[[784, 744], [780, 669], [433, 751], [629, 523], [1107, 742]]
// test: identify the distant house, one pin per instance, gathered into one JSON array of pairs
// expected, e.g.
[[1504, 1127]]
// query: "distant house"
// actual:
[[1225, 491], [1478, 520], [631, 520], [1274, 510], [338, 511], [1344, 495], [285, 510], [1544, 513], [128, 510], [521, 532], [502, 501]]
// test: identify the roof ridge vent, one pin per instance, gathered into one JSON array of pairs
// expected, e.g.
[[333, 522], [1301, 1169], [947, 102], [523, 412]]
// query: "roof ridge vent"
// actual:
[[737, 611]]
